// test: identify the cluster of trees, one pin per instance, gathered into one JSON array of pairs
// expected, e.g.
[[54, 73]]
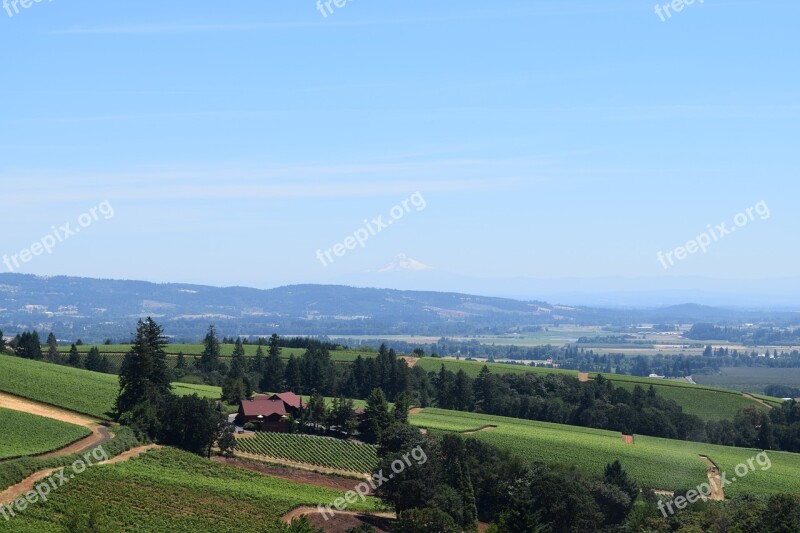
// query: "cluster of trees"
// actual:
[[762, 336], [28, 345], [146, 403], [462, 481], [778, 429], [564, 400]]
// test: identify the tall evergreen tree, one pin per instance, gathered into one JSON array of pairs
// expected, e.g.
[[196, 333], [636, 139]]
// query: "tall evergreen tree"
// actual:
[[401, 407], [209, 360], [377, 418], [2, 342], [274, 368], [74, 358], [52, 349], [238, 362], [144, 378], [94, 360], [257, 362], [180, 362], [293, 376]]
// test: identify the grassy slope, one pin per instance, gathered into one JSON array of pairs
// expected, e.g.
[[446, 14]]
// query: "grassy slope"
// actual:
[[24, 434], [709, 403], [78, 390], [654, 463], [168, 491]]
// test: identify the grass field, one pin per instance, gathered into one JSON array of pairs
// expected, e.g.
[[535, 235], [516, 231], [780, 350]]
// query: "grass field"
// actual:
[[71, 388], [319, 451], [168, 490], [23, 434], [78, 390], [709, 403], [654, 463], [749, 379]]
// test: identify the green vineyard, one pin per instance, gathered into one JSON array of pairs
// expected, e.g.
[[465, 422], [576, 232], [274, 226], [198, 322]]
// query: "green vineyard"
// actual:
[[318, 451]]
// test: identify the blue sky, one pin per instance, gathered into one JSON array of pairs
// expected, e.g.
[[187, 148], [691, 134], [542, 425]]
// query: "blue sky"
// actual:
[[550, 139]]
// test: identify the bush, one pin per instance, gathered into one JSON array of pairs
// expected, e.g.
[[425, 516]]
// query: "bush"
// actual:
[[250, 426], [427, 520]]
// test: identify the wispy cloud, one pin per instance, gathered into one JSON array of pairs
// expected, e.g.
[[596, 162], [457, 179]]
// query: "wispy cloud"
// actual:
[[181, 28], [285, 182]]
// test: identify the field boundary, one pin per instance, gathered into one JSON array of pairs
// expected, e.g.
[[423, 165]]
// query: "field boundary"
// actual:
[[269, 459]]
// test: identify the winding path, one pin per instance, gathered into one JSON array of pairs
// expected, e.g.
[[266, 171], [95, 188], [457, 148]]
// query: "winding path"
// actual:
[[99, 433], [714, 480], [28, 484], [759, 400]]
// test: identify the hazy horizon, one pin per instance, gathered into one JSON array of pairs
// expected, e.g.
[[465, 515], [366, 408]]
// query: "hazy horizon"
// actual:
[[482, 144]]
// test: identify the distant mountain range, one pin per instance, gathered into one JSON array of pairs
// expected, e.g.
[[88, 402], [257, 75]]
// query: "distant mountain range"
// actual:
[[95, 309]]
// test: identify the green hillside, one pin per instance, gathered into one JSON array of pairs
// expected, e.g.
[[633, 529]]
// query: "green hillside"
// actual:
[[655, 463], [167, 490], [709, 403], [25, 434]]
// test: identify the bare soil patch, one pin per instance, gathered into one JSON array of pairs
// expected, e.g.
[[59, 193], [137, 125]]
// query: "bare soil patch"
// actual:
[[292, 474], [302, 466], [714, 479], [133, 453], [484, 428], [759, 400], [414, 411], [99, 433], [411, 361], [16, 403], [342, 520]]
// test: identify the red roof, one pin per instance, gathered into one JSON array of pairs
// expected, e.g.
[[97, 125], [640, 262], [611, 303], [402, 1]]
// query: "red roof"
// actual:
[[291, 399], [276, 404], [265, 407]]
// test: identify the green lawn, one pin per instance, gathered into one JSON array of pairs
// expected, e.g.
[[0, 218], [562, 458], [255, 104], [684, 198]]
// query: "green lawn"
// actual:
[[654, 463], [24, 434], [167, 491]]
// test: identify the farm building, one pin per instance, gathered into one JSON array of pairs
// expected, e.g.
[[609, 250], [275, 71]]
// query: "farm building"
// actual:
[[269, 413]]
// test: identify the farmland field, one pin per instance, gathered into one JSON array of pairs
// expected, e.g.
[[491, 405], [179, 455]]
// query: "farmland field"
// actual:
[[78, 390], [751, 379], [319, 451], [25, 434], [709, 403], [195, 350], [168, 490], [74, 389], [654, 463]]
